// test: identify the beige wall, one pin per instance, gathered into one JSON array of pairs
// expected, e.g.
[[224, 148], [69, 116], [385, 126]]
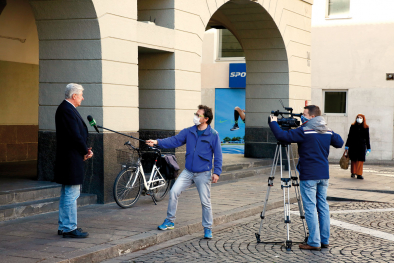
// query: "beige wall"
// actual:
[[18, 93], [17, 21], [91, 46], [18, 65], [214, 73], [355, 54], [19, 83]]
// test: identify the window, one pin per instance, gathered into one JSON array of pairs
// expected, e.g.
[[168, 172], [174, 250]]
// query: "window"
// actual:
[[338, 9], [335, 101], [229, 47]]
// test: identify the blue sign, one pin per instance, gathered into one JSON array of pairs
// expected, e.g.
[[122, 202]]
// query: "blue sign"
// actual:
[[237, 75]]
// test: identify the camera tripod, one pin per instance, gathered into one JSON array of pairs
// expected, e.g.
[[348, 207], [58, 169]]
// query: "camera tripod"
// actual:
[[286, 183]]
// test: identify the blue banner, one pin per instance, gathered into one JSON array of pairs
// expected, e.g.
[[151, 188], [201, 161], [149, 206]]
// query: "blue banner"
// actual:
[[225, 102]]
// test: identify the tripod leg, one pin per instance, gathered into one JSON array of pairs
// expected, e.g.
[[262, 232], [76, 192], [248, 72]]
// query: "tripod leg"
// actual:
[[286, 191], [270, 184], [296, 185]]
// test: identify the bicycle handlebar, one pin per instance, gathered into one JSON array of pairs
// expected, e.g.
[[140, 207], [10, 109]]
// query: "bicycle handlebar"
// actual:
[[154, 148], [128, 143]]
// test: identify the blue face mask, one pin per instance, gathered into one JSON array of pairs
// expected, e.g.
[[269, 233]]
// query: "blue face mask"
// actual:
[[304, 119]]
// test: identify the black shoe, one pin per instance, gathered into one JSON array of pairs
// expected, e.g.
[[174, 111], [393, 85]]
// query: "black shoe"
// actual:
[[235, 127], [353, 176], [76, 233], [60, 232], [360, 177], [324, 245]]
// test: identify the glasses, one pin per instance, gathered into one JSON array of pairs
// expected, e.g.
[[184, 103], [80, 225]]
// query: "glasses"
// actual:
[[198, 115]]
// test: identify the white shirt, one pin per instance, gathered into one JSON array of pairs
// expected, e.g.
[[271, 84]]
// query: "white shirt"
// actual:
[[70, 103]]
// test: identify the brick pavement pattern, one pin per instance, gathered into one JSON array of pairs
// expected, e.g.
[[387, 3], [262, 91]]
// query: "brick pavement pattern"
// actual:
[[238, 244]]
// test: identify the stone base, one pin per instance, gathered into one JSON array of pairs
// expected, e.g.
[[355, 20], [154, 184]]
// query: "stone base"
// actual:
[[18, 143], [94, 167], [102, 170], [261, 143]]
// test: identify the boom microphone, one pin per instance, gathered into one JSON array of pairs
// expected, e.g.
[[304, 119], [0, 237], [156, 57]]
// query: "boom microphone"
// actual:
[[92, 123]]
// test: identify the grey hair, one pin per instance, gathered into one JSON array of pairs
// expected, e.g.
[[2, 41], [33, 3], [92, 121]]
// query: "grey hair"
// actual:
[[73, 88]]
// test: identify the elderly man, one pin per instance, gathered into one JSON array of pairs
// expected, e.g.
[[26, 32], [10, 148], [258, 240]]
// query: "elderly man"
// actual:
[[71, 152]]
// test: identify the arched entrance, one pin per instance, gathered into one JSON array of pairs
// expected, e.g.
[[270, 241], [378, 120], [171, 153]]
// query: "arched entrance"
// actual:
[[44, 46], [19, 88], [275, 38]]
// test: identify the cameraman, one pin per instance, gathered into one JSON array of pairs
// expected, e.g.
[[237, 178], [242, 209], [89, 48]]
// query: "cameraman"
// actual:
[[314, 139]]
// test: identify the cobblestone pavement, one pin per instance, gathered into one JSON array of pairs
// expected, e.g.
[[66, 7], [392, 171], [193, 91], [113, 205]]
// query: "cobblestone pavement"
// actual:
[[365, 233], [35, 239]]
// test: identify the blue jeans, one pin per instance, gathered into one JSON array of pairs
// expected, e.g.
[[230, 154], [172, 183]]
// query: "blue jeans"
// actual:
[[68, 207], [203, 184], [317, 213]]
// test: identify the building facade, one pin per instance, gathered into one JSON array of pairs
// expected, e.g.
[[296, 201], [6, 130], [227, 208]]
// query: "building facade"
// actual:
[[140, 64], [352, 62]]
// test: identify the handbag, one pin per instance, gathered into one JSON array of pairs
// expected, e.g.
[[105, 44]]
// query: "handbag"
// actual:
[[344, 162]]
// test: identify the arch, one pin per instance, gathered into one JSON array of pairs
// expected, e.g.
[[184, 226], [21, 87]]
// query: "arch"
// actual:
[[69, 51], [275, 37]]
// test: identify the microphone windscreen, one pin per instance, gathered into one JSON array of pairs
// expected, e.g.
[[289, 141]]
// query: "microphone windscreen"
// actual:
[[92, 122]]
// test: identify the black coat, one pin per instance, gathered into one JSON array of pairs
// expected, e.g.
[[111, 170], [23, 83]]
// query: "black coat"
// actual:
[[71, 140], [358, 142]]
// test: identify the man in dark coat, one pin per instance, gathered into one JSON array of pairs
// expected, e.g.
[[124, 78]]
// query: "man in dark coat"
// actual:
[[71, 152]]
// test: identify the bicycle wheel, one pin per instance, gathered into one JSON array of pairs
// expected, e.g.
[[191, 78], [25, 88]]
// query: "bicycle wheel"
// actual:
[[127, 188], [161, 192]]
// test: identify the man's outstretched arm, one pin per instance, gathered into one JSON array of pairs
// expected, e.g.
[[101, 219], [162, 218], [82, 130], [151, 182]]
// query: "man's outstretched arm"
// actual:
[[170, 142]]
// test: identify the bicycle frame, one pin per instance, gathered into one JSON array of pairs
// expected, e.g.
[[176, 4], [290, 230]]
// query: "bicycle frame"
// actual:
[[149, 184]]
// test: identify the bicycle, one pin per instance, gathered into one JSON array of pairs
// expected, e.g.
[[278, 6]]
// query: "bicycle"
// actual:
[[131, 180]]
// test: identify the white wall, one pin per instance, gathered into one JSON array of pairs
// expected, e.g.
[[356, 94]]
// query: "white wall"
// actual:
[[355, 54]]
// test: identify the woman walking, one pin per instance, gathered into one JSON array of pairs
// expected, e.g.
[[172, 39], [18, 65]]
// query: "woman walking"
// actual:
[[357, 145]]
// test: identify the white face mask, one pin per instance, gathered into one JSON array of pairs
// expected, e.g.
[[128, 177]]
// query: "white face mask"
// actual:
[[360, 120], [196, 120]]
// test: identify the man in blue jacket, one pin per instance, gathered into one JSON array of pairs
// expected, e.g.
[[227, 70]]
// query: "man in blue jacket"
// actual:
[[202, 142], [314, 139]]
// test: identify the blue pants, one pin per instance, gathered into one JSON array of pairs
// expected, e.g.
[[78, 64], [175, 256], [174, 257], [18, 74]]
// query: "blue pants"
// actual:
[[68, 207], [203, 184], [317, 213]]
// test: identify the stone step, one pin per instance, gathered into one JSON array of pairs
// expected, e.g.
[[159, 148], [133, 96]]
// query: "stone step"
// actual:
[[246, 164], [29, 194], [18, 210], [247, 172]]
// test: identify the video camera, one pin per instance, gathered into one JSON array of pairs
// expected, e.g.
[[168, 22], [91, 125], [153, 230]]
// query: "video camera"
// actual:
[[289, 122]]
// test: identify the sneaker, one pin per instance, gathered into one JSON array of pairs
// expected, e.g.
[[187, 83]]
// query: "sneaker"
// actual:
[[207, 233], [235, 127], [167, 224]]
